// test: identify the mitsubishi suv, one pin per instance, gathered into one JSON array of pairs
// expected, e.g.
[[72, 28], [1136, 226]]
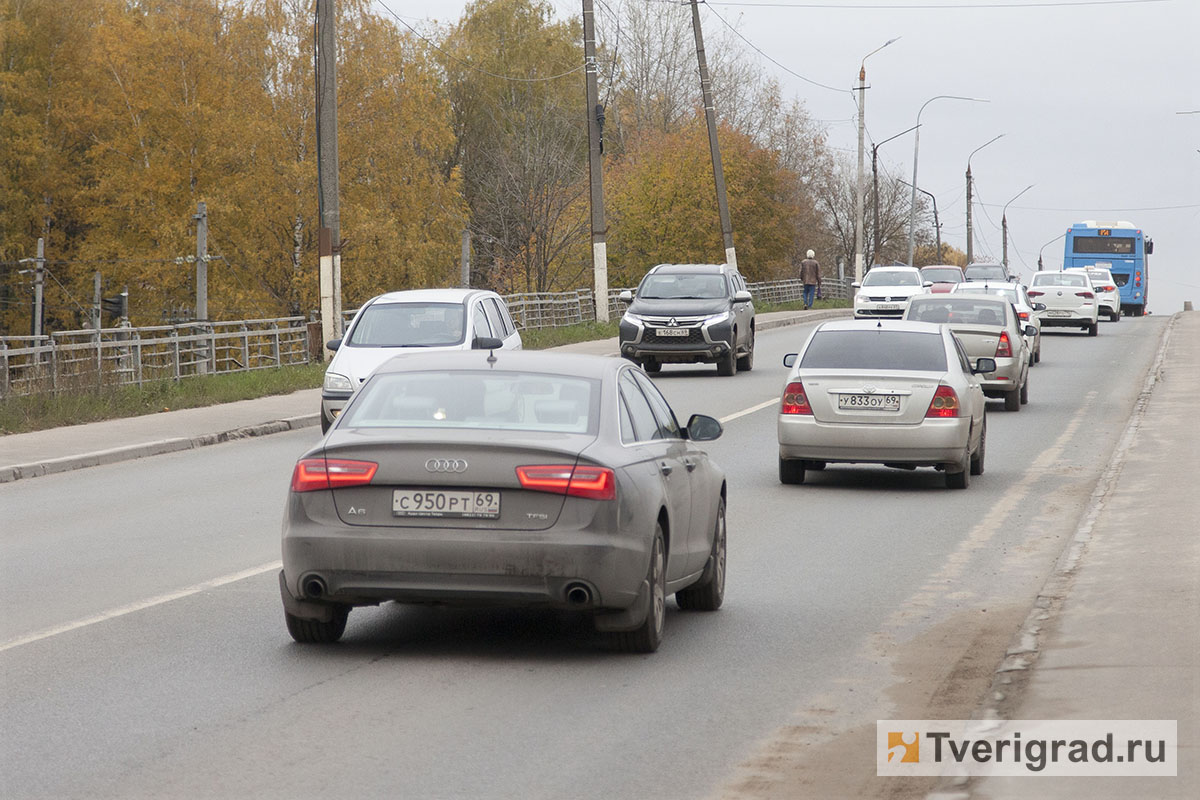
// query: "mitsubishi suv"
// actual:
[[689, 313]]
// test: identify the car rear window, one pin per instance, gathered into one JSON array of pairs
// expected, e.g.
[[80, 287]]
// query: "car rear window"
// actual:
[[1059, 279], [942, 274], [408, 325], [957, 311], [468, 399], [875, 349]]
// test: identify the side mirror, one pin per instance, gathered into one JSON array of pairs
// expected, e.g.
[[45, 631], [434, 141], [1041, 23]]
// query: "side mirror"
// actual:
[[1039, 306], [856, 285], [626, 296], [983, 365], [1031, 330], [1149, 247], [333, 344], [486, 343], [790, 359], [927, 284], [703, 428], [742, 296]]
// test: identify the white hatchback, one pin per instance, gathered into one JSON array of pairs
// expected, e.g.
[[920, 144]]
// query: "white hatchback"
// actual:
[[885, 290], [419, 320]]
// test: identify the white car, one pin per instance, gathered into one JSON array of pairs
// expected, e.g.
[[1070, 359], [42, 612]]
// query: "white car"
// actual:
[[1108, 296], [889, 392], [1069, 298], [884, 291], [419, 320], [1024, 305]]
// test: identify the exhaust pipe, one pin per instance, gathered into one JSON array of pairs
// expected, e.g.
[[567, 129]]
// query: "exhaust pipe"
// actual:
[[578, 594], [314, 587]]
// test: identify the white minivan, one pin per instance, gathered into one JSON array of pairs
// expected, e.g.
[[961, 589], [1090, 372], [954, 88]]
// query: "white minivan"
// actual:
[[420, 320]]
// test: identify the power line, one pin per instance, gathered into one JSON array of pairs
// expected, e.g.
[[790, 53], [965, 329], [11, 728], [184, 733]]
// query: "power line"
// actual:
[[959, 6], [1103, 210]]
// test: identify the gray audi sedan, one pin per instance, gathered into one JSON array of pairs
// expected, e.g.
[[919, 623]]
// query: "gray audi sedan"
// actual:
[[492, 477]]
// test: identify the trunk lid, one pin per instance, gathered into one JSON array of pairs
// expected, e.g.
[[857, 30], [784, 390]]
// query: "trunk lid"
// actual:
[[850, 396]]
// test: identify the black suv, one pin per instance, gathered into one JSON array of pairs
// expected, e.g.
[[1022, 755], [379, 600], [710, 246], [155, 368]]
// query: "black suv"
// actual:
[[688, 313]]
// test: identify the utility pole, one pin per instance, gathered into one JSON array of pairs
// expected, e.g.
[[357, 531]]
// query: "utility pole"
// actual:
[[97, 314], [201, 218], [1004, 222], [329, 237], [39, 281], [858, 183], [464, 261], [937, 226], [710, 115], [970, 189], [595, 123], [875, 184]]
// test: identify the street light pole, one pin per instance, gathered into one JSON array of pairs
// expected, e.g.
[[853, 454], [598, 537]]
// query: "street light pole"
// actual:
[[875, 184], [1004, 222], [937, 226], [858, 185], [970, 232], [912, 212], [1043, 247]]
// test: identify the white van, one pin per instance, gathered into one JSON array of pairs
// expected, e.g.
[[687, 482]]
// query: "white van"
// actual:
[[421, 320]]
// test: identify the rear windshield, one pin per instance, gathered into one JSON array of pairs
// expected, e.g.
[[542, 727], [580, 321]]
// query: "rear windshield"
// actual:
[[466, 399], [875, 349], [1059, 279], [975, 273], [683, 286], [891, 277], [942, 274], [957, 311], [408, 325]]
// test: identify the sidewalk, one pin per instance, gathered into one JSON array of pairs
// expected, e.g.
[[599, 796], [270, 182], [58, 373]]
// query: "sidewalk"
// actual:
[[1117, 628], [28, 455]]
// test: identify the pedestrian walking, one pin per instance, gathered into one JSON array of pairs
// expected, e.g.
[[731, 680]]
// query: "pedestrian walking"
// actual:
[[810, 276]]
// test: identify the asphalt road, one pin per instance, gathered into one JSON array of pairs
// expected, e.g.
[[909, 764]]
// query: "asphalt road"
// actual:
[[143, 652]]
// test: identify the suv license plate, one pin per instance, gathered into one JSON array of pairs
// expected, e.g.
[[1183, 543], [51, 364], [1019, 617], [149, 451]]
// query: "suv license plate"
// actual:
[[874, 402], [441, 503], [671, 331]]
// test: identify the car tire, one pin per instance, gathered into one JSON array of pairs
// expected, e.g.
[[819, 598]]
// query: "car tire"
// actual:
[[746, 362], [1093, 329], [1037, 354], [326, 423], [1114, 316], [1025, 390], [791, 471], [728, 365], [962, 478], [647, 637], [815, 466], [980, 452], [1012, 400], [708, 593], [311, 631], [652, 365]]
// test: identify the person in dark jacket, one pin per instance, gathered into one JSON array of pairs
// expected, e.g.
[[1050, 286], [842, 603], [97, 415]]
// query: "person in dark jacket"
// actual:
[[810, 276]]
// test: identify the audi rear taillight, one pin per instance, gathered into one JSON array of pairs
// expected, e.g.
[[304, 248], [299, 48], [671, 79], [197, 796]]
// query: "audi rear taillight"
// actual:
[[944, 403], [1003, 347], [794, 400], [591, 483], [1033, 293], [314, 474]]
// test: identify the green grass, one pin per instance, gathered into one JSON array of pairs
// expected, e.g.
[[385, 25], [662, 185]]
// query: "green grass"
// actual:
[[797, 305], [541, 338], [24, 414]]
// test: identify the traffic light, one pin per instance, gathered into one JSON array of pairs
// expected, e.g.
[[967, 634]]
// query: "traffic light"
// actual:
[[117, 305]]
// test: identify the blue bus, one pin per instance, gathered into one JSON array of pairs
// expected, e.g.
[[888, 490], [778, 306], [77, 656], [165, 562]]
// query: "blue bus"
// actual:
[[1121, 249]]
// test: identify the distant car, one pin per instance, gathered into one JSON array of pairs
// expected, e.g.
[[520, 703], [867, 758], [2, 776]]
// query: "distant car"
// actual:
[[1069, 298], [988, 327], [884, 291], [507, 478], [689, 313], [1026, 309], [887, 392], [411, 321], [986, 272], [944, 277], [1108, 296]]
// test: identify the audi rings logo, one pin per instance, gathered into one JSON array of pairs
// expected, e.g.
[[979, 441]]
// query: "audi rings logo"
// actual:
[[446, 465]]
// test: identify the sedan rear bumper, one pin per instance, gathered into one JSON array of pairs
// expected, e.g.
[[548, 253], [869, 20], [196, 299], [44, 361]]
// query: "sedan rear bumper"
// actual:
[[933, 441]]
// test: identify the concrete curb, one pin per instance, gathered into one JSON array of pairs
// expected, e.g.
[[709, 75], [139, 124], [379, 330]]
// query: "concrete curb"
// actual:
[[14, 472], [94, 459]]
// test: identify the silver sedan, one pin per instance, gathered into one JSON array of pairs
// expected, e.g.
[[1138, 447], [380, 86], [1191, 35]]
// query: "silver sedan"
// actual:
[[883, 392], [507, 478]]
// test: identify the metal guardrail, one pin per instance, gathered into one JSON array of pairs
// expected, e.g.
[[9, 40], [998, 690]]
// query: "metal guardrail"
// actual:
[[71, 361]]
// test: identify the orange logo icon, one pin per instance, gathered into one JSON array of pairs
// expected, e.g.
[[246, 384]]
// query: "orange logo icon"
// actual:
[[904, 747]]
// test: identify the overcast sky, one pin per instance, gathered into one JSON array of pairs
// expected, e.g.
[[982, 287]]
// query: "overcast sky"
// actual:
[[1086, 93]]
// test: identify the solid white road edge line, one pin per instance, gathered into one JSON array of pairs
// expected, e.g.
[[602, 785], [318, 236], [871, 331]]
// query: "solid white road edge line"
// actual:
[[140, 605], [223, 580]]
